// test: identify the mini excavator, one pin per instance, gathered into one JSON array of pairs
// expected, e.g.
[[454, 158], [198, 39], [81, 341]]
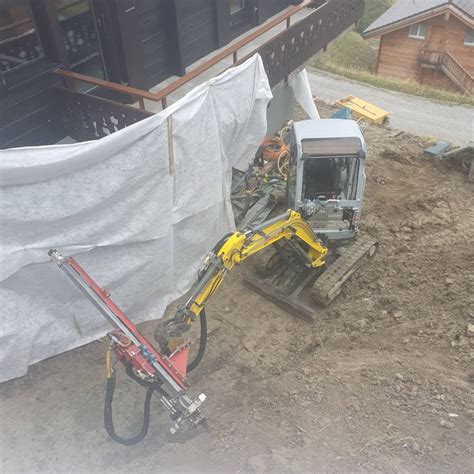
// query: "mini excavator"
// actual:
[[162, 370], [298, 249]]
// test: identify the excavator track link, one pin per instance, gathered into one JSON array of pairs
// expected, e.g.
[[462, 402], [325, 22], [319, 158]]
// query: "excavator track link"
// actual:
[[328, 286]]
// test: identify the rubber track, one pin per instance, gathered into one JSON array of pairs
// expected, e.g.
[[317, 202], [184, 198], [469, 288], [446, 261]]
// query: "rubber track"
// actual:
[[330, 283]]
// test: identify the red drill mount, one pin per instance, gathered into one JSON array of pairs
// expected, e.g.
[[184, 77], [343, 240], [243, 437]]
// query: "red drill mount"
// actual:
[[162, 375]]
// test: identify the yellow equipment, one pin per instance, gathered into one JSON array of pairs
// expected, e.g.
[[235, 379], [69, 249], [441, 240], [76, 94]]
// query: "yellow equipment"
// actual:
[[232, 250], [365, 110]]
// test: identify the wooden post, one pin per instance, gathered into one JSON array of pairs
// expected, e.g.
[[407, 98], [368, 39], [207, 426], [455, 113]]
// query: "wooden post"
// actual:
[[170, 144]]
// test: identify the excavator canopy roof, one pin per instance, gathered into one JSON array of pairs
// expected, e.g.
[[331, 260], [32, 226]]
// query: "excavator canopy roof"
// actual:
[[329, 137]]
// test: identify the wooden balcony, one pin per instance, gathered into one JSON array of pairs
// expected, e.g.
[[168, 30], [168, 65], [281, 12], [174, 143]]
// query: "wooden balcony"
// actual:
[[87, 117]]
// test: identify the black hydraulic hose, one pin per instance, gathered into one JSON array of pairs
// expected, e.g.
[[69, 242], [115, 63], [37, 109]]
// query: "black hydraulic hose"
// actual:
[[108, 419], [203, 320], [202, 341]]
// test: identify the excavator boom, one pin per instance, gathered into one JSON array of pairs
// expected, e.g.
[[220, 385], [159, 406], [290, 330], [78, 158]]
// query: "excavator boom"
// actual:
[[234, 249]]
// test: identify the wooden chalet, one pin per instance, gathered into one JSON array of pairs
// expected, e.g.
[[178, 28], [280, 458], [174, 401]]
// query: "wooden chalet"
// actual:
[[431, 41], [83, 68]]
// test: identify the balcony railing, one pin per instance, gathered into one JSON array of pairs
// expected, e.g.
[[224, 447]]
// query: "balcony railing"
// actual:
[[281, 55], [88, 117]]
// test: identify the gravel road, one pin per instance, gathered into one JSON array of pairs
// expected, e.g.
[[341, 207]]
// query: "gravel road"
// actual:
[[423, 117]]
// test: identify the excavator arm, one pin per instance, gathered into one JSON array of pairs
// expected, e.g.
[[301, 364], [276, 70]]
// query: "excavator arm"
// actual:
[[163, 372], [234, 249]]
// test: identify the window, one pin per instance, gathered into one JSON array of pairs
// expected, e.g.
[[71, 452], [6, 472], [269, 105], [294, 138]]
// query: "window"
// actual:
[[236, 6], [417, 31], [238, 14], [19, 42], [469, 38], [77, 21]]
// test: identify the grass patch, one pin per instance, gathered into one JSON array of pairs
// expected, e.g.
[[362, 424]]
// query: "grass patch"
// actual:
[[351, 51], [408, 87]]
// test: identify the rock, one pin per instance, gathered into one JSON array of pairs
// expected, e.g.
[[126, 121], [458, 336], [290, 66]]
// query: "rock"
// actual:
[[257, 463], [250, 345], [447, 424], [415, 447], [399, 377], [354, 335], [470, 330], [360, 324], [279, 460], [227, 309], [398, 314], [275, 370], [449, 281], [338, 340]]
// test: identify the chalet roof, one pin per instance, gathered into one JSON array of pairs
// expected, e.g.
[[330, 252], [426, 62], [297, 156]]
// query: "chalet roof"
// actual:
[[406, 9]]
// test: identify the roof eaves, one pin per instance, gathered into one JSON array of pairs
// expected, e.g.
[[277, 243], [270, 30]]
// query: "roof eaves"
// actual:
[[403, 22]]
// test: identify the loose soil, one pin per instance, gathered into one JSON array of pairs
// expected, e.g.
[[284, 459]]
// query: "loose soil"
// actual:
[[382, 381]]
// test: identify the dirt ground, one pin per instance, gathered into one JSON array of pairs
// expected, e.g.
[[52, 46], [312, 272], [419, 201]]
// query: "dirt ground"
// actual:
[[383, 381]]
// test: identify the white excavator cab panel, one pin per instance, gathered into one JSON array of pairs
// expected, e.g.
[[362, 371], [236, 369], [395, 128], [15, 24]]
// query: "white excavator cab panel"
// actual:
[[327, 172]]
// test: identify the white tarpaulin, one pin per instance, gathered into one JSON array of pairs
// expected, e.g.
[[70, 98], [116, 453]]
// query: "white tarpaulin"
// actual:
[[138, 214], [299, 82]]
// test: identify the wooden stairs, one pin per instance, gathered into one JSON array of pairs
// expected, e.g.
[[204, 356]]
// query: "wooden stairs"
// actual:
[[444, 61]]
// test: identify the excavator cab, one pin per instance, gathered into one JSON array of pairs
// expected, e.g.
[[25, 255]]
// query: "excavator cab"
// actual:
[[327, 174]]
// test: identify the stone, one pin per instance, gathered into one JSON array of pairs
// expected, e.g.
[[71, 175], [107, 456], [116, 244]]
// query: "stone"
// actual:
[[449, 281], [338, 340], [250, 345], [399, 377], [470, 330], [362, 323], [257, 463], [415, 447], [398, 314], [227, 309], [447, 424]]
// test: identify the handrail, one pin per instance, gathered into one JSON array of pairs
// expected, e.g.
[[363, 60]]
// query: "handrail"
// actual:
[[459, 65], [162, 94], [445, 61]]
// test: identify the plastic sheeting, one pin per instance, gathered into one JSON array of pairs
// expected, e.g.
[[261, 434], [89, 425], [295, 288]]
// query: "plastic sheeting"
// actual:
[[299, 82], [138, 215]]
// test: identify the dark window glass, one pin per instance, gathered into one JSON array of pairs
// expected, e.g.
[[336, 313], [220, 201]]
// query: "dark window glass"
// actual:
[[469, 38], [80, 36], [237, 12], [236, 6], [19, 42]]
